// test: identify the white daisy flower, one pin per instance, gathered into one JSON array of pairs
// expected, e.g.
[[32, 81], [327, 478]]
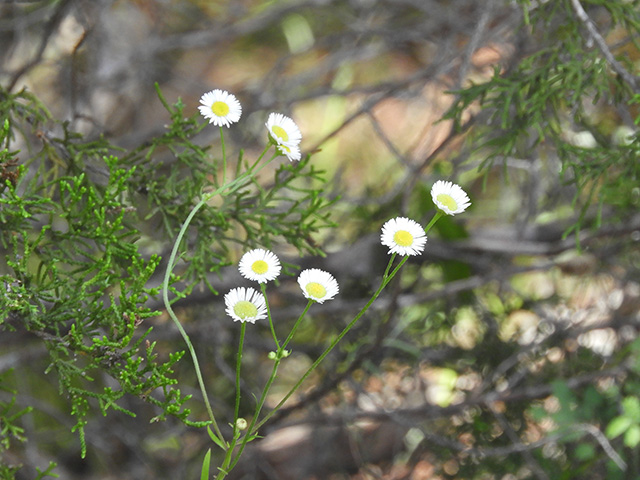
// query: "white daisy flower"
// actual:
[[259, 265], [404, 236], [245, 305], [292, 152], [318, 285], [283, 130], [220, 108], [449, 197]]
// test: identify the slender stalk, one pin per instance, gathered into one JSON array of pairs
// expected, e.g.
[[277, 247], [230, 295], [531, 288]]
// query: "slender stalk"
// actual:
[[243, 329], [165, 290], [224, 468], [386, 270], [263, 397], [224, 158], [256, 414], [185, 336], [255, 425], [333, 344], [262, 155], [433, 221], [297, 324], [263, 288]]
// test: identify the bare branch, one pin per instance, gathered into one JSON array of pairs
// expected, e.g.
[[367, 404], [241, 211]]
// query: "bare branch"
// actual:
[[602, 46]]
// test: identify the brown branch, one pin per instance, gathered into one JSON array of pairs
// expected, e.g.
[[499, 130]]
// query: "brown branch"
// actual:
[[49, 29], [603, 47]]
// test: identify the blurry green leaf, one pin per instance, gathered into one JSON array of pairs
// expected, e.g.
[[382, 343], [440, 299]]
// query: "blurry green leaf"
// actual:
[[406, 347], [585, 451], [564, 394], [298, 33], [632, 436], [591, 401], [494, 304], [631, 408], [538, 413], [618, 426]]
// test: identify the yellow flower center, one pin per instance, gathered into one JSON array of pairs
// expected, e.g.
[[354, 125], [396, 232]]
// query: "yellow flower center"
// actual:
[[245, 309], [448, 201], [280, 132], [316, 290], [403, 238], [220, 109], [260, 267]]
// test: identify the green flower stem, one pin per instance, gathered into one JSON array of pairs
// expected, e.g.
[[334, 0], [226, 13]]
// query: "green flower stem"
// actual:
[[224, 468], [236, 410], [167, 304], [224, 158], [263, 288], [386, 270], [248, 436], [433, 221], [387, 279], [297, 324], [266, 149], [255, 426], [335, 341], [267, 387], [235, 185], [231, 186]]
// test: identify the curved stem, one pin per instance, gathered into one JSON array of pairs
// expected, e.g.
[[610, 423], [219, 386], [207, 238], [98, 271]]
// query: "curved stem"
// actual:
[[185, 336], [165, 290]]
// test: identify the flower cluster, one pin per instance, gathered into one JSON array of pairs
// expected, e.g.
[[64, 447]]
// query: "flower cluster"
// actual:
[[402, 235], [407, 237], [262, 266], [222, 108]]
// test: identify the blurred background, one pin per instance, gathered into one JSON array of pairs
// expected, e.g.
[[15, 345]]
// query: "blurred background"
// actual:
[[504, 352]]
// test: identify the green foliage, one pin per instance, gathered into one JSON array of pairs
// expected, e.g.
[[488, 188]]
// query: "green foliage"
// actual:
[[628, 423], [84, 227], [8, 428], [206, 465], [534, 110], [79, 233], [11, 431], [289, 210]]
